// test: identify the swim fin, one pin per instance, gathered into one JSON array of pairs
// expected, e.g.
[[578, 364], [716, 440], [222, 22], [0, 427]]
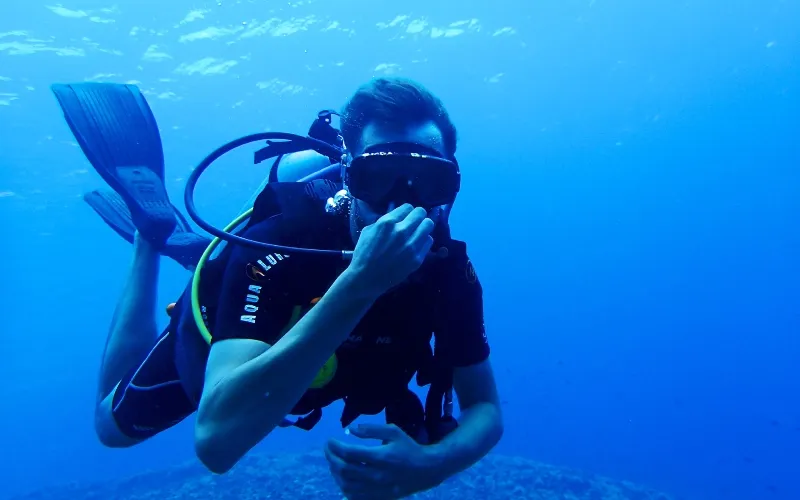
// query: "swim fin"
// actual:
[[111, 207], [117, 132], [184, 246]]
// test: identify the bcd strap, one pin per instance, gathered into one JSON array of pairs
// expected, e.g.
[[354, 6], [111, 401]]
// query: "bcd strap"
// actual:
[[306, 422], [273, 170], [407, 413], [293, 199]]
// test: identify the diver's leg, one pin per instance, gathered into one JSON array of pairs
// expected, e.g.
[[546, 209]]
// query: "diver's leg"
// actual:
[[149, 398], [139, 392], [131, 336], [133, 326], [106, 427]]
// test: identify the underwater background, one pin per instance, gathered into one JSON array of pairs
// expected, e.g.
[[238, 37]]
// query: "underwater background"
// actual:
[[631, 201]]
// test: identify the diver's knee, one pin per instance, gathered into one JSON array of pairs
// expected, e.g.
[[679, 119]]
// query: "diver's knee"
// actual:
[[106, 428], [111, 440]]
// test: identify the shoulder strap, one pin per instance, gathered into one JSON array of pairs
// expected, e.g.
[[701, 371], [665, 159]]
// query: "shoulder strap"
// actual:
[[292, 199], [273, 170]]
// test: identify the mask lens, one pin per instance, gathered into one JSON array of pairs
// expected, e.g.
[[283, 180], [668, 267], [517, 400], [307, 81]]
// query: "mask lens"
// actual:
[[435, 182], [371, 179], [421, 180]]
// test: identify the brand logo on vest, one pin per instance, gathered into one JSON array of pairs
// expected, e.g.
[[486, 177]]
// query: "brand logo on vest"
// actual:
[[250, 307], [358, 339], [257, 271], [254, 272]]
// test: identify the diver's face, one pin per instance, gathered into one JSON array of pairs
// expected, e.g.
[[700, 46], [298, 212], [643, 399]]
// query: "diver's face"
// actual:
[[426, 134]]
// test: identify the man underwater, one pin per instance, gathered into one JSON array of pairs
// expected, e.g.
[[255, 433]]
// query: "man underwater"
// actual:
[[293, 332]]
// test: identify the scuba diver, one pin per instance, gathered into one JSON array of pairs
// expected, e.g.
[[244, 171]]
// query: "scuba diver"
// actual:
[[331, 287]]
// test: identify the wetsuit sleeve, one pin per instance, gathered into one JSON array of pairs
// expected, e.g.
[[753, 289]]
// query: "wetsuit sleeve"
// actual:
[[460, 332], [254, 301]]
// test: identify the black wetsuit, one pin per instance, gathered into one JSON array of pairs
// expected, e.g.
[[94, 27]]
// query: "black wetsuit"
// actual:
[[261, 294]]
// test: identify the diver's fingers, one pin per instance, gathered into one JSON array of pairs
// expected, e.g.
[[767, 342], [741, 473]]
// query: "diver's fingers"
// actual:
[[396, 215], [412, 222], [421, 240]]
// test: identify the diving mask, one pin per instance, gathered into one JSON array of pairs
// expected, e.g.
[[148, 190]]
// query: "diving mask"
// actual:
[[398, 173]]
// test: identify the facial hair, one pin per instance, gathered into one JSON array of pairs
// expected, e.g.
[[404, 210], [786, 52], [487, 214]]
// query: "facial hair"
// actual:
[[357, 222]]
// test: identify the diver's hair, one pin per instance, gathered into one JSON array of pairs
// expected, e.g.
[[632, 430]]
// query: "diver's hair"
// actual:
[[396, 103]]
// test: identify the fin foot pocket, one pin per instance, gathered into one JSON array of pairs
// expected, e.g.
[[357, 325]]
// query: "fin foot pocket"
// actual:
[[154, 215], [114, 212], [184, 246]]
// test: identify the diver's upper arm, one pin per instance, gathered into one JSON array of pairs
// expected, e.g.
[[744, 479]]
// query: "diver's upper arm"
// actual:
[[228, 355], [475, 384]]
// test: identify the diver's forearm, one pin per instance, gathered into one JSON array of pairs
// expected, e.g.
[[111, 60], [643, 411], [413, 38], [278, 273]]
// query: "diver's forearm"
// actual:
[[479, 430], [249, 403]]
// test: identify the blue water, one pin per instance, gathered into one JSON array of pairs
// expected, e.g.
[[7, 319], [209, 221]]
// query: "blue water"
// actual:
[[631, 201]]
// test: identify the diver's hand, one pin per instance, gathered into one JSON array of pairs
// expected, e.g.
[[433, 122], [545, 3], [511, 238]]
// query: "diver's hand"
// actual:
[[392, 248], [396, 469]]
